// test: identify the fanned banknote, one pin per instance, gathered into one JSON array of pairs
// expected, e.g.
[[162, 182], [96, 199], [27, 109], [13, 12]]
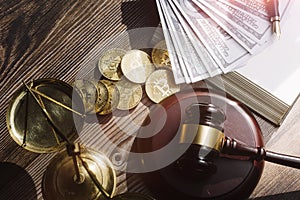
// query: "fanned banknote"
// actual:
[[210, 37]]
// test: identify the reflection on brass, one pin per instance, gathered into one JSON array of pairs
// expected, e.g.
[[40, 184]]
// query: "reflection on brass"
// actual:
[[102, 97], [136, 66], [88, 93], [27, 123], [56, 131], [160, 55], [59, 181], [109, 64], [132, 196], [161, 85], [130, 94], [58, 103], [203, 135], [113, 97], [74, 150], [94, 178]]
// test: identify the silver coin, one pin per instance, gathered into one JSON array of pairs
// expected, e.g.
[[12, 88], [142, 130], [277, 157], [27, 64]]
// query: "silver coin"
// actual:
[[160, 85], [130, 94], [136, 66]]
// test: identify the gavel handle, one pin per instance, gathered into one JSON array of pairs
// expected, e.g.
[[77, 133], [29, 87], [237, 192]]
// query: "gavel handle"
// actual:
[[233, 147], [291, 161]]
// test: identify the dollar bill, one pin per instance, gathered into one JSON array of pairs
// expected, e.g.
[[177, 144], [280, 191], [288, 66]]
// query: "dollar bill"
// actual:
[[194, 64], [255, 7], [210, 64], [254, 27], [250, 45], [259, 8], [225, 50], [180, 75], [210, 37]]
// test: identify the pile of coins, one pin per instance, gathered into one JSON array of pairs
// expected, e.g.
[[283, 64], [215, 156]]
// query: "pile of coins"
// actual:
[[124, 75]]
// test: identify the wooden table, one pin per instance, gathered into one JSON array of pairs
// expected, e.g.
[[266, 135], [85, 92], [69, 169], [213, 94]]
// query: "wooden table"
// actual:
[[61, 40]]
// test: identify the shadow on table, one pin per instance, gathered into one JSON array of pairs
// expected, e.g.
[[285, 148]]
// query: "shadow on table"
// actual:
[[285, 196], [139, 13], [16, 183], [138, 16]]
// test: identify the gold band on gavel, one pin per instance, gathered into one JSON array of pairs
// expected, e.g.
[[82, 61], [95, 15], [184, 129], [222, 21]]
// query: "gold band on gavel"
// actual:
[[203, 135]]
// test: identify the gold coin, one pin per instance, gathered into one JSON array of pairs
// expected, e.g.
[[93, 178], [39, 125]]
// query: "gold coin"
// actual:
[[136, 66], [109, 64], [88, 92], [102, 97], [113, 97], [130, 94], [160, 85], [160, 55]]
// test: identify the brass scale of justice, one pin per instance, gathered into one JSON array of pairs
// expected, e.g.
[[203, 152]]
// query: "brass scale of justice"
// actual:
[[42, 112]]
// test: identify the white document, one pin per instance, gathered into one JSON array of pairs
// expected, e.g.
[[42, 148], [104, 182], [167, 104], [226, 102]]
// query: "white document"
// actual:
[[277, 68]]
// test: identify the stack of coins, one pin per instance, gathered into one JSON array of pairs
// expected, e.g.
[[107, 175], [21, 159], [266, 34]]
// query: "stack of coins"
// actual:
[[124, 74], [87, 90]]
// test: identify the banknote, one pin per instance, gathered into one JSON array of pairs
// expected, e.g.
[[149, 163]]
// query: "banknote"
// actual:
[[225, 50], [210, 64], [261, 6], [194, 64], [255, 7], [210, 37], [254, 27], [250, 45], [176, 67]]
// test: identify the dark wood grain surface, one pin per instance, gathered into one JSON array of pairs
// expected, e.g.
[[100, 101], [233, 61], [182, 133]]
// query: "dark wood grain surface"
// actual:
[[62, 40]]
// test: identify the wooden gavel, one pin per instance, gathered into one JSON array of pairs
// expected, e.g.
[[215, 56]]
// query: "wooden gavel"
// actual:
[[204, 122]]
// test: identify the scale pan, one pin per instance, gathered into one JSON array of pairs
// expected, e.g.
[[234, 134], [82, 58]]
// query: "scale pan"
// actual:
[[59, 178], [28, 125]]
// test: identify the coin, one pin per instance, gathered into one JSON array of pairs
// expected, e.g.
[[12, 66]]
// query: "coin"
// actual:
[[130, 94], [160, 85], [109, 64], [160, 55], [136, 66], [102, 96], [88, 92], [113, 97]]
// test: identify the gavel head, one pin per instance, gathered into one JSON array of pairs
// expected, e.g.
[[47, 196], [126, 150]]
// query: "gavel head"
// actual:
[[203, 122]]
